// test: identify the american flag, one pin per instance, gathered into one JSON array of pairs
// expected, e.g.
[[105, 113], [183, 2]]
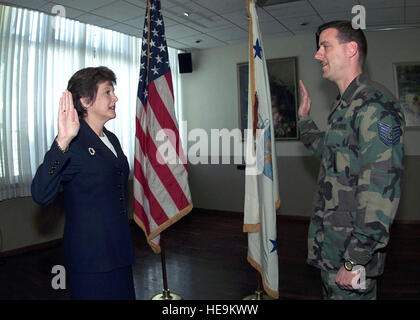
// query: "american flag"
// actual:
[[161, 192]]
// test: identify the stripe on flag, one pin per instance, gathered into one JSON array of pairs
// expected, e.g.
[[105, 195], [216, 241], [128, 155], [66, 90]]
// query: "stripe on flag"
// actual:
[[161, 191]]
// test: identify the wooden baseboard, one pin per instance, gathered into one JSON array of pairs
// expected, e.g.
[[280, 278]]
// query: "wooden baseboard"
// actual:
[[290, 218], [407, 222], [38, 246], [286, 218]]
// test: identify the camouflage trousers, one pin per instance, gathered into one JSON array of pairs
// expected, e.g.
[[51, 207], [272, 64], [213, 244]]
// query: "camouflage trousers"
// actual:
[[331, 291]]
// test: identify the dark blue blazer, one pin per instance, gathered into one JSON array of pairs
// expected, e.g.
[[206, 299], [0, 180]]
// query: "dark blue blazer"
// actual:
[[96, 233]]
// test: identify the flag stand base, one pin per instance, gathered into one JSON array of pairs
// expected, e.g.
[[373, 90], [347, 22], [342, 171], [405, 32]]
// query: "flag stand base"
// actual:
[[259, 295], [167, 295]]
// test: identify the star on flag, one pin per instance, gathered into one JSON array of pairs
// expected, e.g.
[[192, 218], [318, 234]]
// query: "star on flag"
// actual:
[[274, 243], [258, 49]]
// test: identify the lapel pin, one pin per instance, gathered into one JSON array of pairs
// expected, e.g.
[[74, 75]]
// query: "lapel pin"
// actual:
[[91, 151]]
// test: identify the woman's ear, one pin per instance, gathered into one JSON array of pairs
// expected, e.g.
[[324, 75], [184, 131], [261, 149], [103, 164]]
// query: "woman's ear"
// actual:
[[85, 102]]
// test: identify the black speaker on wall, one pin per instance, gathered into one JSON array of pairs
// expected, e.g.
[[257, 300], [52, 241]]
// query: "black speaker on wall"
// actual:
[[184, 62]]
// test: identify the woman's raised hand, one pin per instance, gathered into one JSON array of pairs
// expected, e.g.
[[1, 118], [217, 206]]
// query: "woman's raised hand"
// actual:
[[68, 121]]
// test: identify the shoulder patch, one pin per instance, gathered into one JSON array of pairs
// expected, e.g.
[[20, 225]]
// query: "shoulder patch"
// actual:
[[388, 134]]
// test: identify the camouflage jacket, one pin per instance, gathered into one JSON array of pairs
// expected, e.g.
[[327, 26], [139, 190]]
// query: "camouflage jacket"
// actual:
[[359, 182]]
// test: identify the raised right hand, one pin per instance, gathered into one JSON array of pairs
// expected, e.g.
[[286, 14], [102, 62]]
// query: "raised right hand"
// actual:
[[68, 121], [305, 102]]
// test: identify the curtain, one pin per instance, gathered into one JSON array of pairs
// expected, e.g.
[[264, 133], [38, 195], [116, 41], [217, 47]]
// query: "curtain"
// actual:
[[176, 83], [38, 55]]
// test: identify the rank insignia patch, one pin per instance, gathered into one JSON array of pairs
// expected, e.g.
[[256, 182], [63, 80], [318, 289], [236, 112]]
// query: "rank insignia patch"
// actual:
[[389, 135]]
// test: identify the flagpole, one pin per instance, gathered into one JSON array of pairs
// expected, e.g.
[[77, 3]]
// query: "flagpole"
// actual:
[[161, 191], [166, 294], [259, 293]]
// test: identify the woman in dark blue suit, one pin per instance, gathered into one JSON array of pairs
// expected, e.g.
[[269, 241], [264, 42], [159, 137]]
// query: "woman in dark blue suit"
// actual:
[[87, 160]]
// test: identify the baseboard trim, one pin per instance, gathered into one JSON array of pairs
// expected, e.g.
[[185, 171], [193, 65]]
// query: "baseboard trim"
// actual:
[[407, 222], [290, 218], [31, 248], [281, 217]]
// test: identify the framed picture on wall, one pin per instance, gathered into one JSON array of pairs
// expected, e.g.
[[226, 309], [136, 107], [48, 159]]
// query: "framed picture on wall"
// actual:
[[282, 75], [407, 88]]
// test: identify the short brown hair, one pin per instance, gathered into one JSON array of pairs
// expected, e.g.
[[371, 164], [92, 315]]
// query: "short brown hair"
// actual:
[[347, 33], [84, 84]]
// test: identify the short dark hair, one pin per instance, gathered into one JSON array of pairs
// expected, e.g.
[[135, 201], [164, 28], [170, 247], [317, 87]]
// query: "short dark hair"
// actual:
[[347, 33], [84, 84]]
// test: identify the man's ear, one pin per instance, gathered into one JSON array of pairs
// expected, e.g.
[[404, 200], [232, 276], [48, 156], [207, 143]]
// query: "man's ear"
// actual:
[[352, 49]]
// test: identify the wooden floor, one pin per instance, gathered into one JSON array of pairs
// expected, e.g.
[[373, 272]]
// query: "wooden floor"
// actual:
[[206, 260]]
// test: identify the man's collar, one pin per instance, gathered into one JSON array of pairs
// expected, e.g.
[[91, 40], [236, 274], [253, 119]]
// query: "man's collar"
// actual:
[[349, 92]]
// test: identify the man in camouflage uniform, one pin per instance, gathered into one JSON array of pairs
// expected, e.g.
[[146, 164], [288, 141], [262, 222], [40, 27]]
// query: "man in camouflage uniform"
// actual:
[[359, 182]]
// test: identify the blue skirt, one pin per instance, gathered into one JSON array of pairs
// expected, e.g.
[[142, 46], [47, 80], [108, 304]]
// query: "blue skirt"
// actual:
[[117, 284]]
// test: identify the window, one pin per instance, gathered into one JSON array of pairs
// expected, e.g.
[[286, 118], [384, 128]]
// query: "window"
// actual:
[[39, 53]]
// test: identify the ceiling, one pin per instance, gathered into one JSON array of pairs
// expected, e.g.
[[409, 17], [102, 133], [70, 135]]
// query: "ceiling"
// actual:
[[213, 23]]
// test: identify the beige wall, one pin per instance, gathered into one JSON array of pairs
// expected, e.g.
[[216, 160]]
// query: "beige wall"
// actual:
[[210, 101], [24, 223], [222, 187]]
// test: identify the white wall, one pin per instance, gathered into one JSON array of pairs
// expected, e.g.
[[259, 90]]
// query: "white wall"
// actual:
[[210, 92], [210, 101]]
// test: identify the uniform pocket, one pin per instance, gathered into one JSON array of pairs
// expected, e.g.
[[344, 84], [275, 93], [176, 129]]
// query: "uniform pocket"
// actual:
[[339, 219], [342, 160], [338, 160], [337, 150]]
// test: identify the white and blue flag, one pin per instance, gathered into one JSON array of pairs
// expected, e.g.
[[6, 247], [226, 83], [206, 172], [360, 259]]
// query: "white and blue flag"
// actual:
[[261, 185]]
